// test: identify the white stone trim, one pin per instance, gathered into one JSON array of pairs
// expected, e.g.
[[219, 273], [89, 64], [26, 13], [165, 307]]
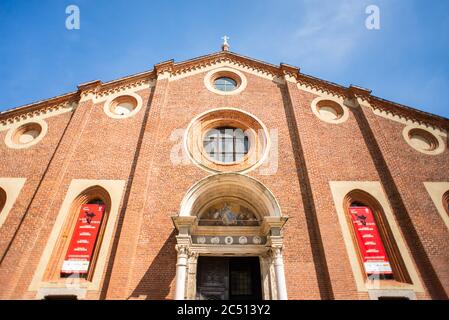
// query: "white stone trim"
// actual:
[[376, 294], [321, 93], [38, 114], [229, 64], [400, 119], [339, 190], [266, 196], [436, 191], [10, 134], [344, 117], [439, 149], [236, 75], [102, 96], [80, 293], [210, 170], [77, 186], [12, 188]]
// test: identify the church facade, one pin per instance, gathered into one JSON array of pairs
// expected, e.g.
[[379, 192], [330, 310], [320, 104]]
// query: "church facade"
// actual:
[[223, 177]]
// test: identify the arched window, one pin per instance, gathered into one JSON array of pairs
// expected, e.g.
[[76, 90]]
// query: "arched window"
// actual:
[[78, 246], [2, 199], [446, 202], [377, 250]]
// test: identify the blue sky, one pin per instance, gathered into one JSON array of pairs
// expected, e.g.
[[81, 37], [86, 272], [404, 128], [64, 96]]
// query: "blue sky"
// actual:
[[406, 61]]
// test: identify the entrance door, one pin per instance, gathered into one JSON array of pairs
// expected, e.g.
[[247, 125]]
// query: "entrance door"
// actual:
[[223, 278]]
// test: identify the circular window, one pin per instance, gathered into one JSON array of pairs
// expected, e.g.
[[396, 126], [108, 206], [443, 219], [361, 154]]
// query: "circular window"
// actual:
[[25, 135], [226, 140], [225, 84], [423, 140], [226, 144], [225, 81], [123, 106], [331, 111]]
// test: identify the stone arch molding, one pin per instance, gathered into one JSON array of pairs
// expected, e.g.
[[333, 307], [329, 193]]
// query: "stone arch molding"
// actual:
[[230, 184], [269, 250], [78, 192]]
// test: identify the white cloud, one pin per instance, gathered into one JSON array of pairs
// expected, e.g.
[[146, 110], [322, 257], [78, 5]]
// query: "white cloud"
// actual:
[[327, 32]]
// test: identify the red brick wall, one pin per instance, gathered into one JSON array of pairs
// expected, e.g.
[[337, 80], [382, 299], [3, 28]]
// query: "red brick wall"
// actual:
[[422, 225], [311, 153]]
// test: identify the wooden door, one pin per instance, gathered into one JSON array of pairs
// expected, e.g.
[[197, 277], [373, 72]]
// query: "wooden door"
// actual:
[[213, 278], [223, 278]]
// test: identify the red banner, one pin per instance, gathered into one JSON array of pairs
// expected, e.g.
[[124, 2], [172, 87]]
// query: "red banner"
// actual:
[[371, 247], [82, 244]]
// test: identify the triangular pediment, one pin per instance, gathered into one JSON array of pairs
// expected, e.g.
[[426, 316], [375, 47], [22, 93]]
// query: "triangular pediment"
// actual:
[[177, 70]]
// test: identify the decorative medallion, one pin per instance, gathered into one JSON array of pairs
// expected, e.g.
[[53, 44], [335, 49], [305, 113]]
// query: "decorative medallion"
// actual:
[[215, 240], [257, 240], [228, 240], [243, 240], [201, 240]]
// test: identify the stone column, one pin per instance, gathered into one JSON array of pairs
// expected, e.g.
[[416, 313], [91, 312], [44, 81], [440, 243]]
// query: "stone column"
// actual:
[[276, 245], [191, 276], [181, 271], [280, 274], [183, 240]]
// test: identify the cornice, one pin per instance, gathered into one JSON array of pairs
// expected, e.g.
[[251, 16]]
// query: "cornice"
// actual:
[[41, 110], [359, 93], [98, 91], [407, 115], [318, 86], [184, 68], [94, 90], [164, 69], [135, 84], [290, 73]]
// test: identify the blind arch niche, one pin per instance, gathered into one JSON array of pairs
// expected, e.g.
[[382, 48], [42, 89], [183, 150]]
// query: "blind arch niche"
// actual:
[[92, 195], [361, 198]]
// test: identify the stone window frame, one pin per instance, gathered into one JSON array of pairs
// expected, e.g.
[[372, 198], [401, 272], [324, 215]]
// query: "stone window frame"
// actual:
[[439, 193], [52, 273], [234, 74], [10, 138], [438, 140], [258, 136], [74, 286], [11, 188], [112, 98], [340, 102], [446, 202], [339, 190], [401, 294], [2, 199], [400, 272]]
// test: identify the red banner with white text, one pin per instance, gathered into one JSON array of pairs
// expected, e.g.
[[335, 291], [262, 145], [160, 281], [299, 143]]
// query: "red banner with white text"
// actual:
[[82, 244], [374, 256]]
